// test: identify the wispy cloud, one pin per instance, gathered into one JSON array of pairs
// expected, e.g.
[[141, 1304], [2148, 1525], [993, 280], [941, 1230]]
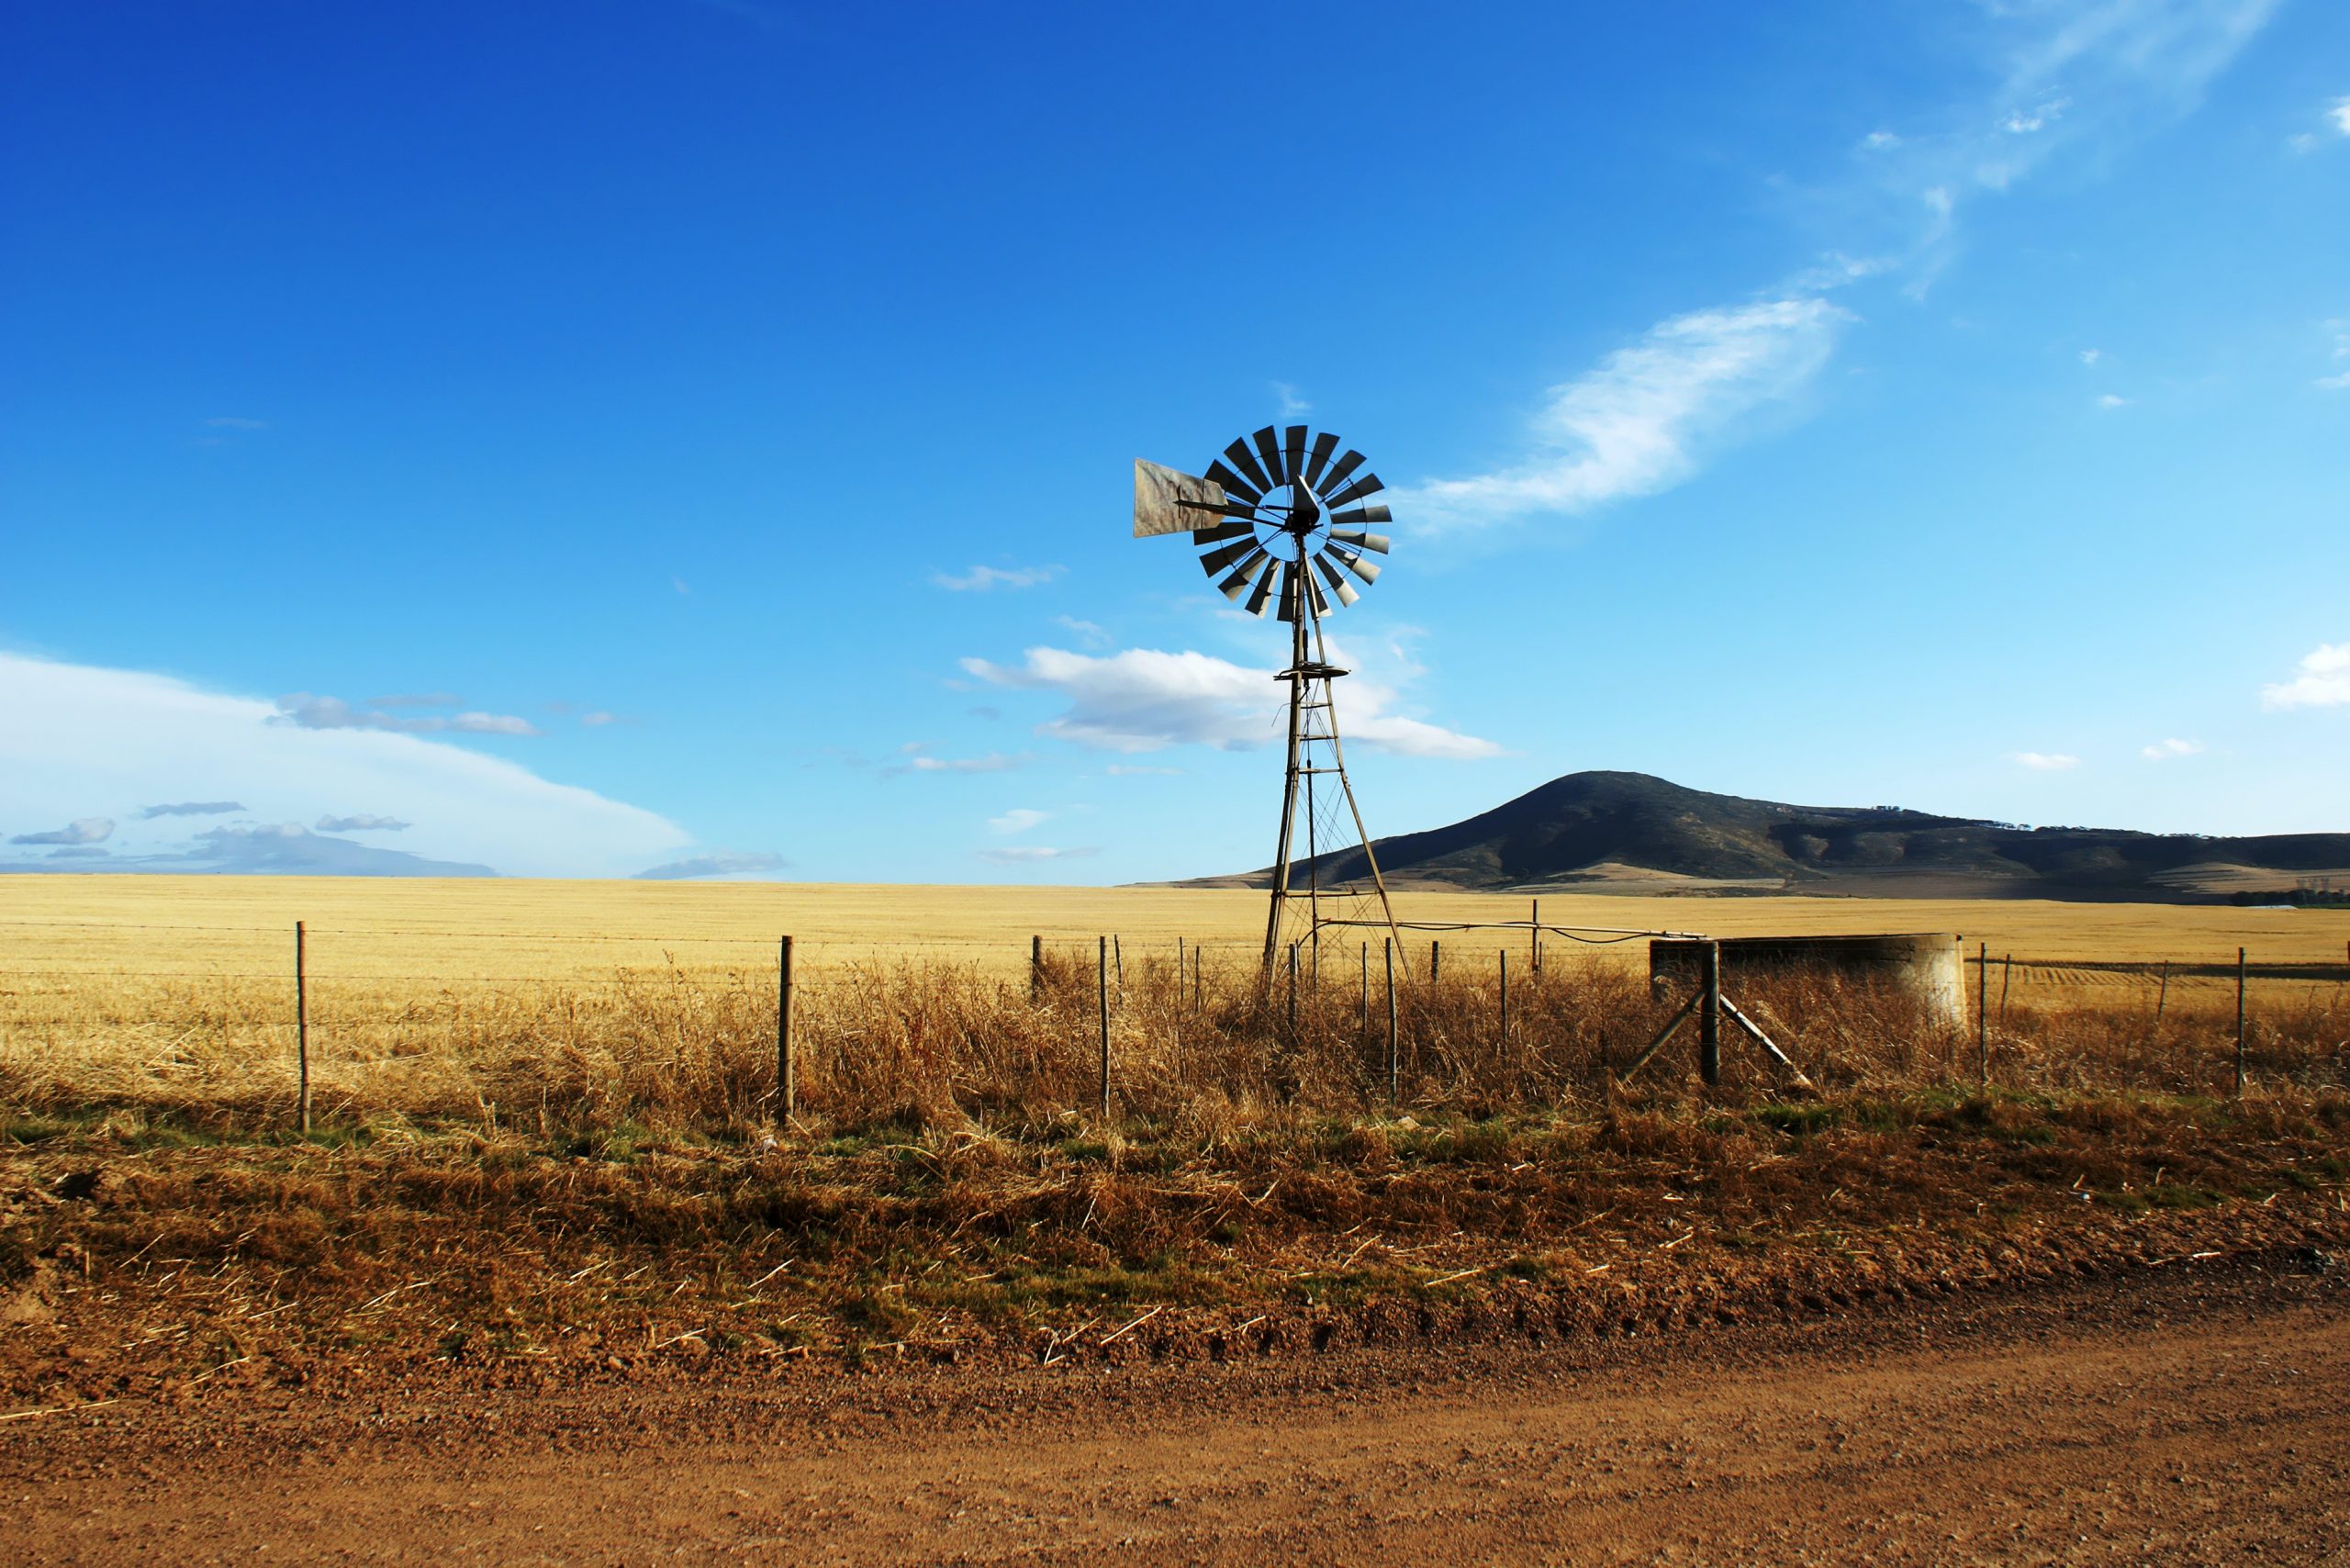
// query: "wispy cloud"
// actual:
[[1086, 632], [231, 423], [1141, 770], [2068, 74], [2323, 681], [597, 719], [1291, 405], [2091, 356], [2045, 761], [2112, 401], [361, 823], [80, 830], [2163, 750], [306, 711], [1030, 854], [915, 757], [980, 579], [191, 809], [1642, 421], [719, 863], [1143, 700], [2338, 113], [1020, 819], [418, 699]]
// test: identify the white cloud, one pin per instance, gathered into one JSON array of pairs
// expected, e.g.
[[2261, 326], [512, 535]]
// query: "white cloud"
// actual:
[[2108, 400], [980, 579], [1020, 819], [2023, 122], [2335, 383], [915, 757], [1291, 405], [2339, 113], [363, 823], [2091, 356], [80, 830], [2046, 761], [719, 862], [1091, 635], [191, 809], [2323, 680], [333, 713], [1643, 420], [1142, 700], [1029, 854], [2163, 750], [1879, 140], [79, 735], [599, 719]]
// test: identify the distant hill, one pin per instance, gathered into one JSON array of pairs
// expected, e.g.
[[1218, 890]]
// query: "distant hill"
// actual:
[[1631, 832]]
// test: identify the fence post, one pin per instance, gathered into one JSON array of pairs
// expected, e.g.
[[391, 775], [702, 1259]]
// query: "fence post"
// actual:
[[1102, 986], [1362, 1025], [1395, 1066], [1436, 962], [2239, 1023], [1035, 969], [2007, 974], [1982, 1015], [1118, 959], [787, 1082], [1538, 936], [2161, 997], [302, 1029], [1199, 985], [1709, 1019]]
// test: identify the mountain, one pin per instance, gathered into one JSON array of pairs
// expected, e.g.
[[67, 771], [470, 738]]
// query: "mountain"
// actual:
[[1631, 832]]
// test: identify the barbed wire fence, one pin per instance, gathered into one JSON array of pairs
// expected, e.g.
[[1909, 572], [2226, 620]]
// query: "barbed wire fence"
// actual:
[[394, 994]]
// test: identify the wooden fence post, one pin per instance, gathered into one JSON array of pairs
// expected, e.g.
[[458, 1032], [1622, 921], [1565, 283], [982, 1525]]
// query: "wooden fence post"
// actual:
[[1293, 995], [1035, 969], [1982, 1015], [1436, 962], [1362, 1024], [787, 1081], [1538, 936], [1709, 1018], [2007, 973], [1118, 960], [1101, 985], [302, 1029], [2239, 1023]]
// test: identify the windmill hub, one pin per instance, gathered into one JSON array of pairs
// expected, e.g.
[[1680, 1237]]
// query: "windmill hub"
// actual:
[[1280, 521]]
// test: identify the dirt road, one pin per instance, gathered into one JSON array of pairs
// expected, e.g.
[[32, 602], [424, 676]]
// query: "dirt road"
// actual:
[[2173, 1417]]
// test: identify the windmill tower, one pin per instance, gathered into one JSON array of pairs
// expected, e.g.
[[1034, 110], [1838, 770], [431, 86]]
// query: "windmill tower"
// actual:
[[1279, 522]]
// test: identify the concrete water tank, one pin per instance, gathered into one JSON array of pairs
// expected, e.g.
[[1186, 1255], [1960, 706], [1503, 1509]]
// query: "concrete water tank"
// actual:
[[1930, 966]]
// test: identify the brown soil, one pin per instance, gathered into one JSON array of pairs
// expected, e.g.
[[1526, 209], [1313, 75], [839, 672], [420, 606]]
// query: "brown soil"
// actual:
[[2189, 1414]]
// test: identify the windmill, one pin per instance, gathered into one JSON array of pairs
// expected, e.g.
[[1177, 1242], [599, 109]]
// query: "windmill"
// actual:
[[1279, 520]]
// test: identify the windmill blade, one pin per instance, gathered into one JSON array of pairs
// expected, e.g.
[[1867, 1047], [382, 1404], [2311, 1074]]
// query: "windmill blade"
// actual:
[[1338, 584], [1368, 485], [1246, 461], [1239, 490], [1216, 561], [1256, 605], [1328, 484], [1164, 499], [1233, 586], [1374, 543], [1216, 533], [1293, 451], [1367, 570], [1268, 447], [1324, 445], [1363, 514]]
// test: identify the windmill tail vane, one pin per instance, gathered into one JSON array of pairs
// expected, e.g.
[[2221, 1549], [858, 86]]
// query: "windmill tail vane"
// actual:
[[1283, 520]]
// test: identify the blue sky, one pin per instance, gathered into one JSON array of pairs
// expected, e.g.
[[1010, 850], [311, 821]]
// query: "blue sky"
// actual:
[[651, 434]]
